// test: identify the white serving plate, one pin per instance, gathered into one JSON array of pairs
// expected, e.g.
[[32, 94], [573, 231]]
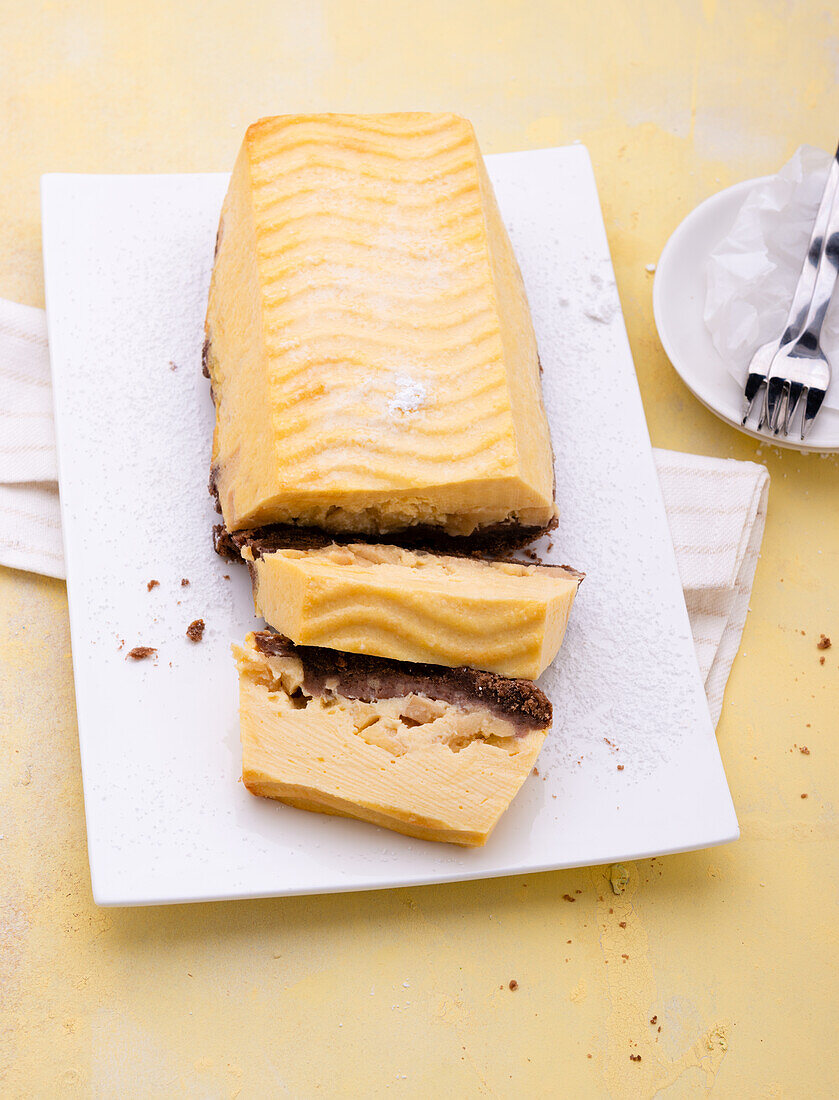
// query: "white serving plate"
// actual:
[[678, 305], [128, 261]]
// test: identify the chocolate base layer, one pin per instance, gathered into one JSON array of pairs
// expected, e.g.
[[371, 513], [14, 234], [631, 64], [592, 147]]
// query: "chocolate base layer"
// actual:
[[358, 676], [497, 541], [288, 537]]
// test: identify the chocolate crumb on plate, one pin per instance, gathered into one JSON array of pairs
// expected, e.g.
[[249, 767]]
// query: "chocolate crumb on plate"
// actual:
[[140, 652], [151, 585], [195, 630], [184, 582]]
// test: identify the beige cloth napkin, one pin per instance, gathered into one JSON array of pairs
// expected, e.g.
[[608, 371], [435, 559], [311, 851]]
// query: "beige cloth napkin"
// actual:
[[30, 524], [716, 507]]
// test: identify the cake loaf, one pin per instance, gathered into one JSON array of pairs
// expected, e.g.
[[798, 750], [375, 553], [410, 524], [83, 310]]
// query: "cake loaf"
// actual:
[[368, 339], [500, 616], [431, 752]]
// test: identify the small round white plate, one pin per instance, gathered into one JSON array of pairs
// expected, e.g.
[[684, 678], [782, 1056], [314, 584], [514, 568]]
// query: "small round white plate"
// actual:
[[678, 303]]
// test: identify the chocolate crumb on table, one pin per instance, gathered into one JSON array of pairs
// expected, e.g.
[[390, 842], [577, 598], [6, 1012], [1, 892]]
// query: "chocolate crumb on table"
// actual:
[[151, 585], [195, 630], [514, 985], [635, 1057], [567, 897], [140, 652], [823, 642], [804, 750], [821, 660]]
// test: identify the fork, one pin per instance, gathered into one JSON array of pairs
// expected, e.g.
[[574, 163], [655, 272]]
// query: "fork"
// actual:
[[800, 371], [760, 365]]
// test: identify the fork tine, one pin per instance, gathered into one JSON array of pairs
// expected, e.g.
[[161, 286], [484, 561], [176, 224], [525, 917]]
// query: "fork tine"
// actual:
[[814, 403], [754, 384], [796, 390], [774, 392], [781, 407]]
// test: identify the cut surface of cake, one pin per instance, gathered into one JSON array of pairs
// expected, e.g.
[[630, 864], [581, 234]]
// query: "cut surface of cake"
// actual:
[[431, 752], [501, 616], [368, 338]]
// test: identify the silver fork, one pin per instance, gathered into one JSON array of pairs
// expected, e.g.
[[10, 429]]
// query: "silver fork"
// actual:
[[801, 371], [761, 362]]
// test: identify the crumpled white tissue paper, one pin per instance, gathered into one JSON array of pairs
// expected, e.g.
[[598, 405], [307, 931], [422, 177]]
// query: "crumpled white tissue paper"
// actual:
[[752, 272]]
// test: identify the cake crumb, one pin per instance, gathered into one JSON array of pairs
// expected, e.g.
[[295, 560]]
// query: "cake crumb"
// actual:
[[823, 642], [226, 576], [536, 771], [654, 1020], [184, 582], [513, 985], [568, 897], [804, 796], [620, 767], [140, 652], [821, 660], [621, 924], [804, 750], [195, 630], [618, 878], [151, 585], [172, 365], [635, 1057]]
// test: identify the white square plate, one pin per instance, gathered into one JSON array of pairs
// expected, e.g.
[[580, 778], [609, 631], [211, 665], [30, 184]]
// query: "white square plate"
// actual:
[[128, 262]]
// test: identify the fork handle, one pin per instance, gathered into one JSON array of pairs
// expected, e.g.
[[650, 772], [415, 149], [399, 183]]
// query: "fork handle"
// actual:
[[826, 275], [805, 288]]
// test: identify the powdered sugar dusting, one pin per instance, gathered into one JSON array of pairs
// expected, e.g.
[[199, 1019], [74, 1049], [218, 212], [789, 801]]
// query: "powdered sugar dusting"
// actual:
[[410, 396]]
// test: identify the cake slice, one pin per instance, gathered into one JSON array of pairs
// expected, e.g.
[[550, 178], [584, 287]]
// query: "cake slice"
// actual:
[[368, 339], [430, 752], [500, 616]]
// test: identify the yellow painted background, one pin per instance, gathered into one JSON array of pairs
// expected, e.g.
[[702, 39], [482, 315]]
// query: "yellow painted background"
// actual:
[[734, 951]]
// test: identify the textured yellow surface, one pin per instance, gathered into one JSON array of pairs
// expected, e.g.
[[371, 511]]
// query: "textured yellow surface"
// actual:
[[502, 617], [416, 765], [734, 951], [368, 337]]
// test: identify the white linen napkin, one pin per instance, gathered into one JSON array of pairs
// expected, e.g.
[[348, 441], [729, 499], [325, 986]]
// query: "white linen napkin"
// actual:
[[30, 524], [716, 507]]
